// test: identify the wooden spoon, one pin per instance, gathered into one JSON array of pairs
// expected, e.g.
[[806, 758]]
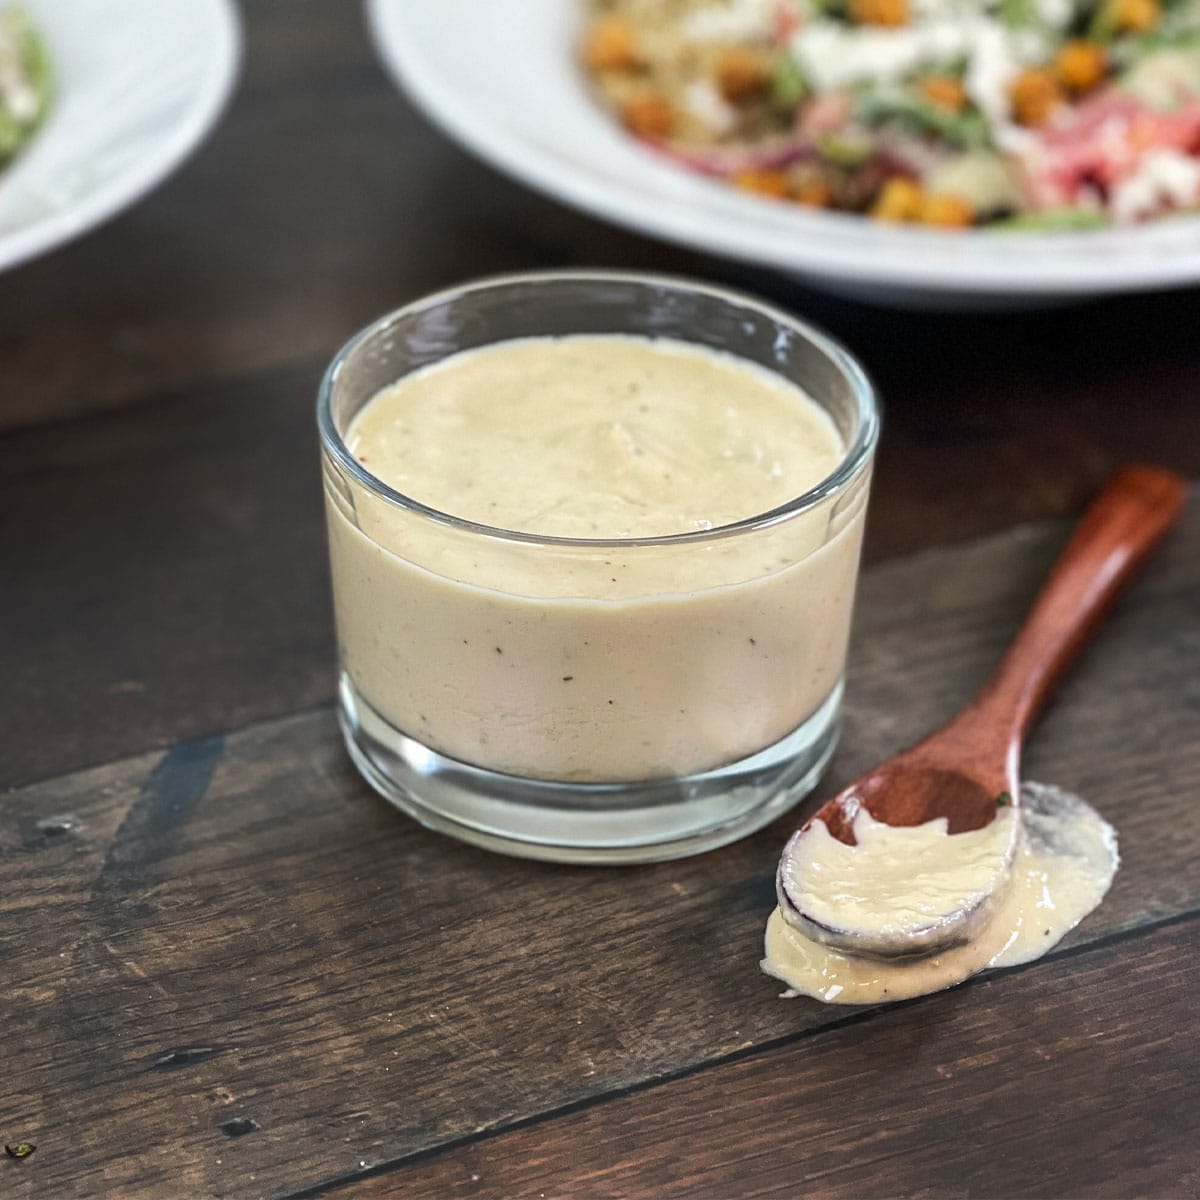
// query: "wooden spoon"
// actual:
[[971, 767]]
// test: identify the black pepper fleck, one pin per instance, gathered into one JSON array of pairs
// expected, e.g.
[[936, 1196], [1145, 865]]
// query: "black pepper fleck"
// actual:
[[753, 642], [568, 678], [499, 651]]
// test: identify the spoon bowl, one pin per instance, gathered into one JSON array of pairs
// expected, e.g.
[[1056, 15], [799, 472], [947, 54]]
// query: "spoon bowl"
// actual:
[[909, 790]]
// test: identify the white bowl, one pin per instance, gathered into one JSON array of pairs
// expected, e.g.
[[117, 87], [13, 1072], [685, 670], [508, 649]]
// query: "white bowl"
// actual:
[[501, 77], [138, 83]]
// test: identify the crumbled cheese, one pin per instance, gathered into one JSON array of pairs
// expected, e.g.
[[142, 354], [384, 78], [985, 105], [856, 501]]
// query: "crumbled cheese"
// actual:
[[990, 70], [730, 21], [708, 106], [1056, 13], [833, 55], [1164, 179]]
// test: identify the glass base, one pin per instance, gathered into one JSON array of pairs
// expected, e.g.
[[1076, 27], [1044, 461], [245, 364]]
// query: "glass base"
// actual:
[[587, 822]]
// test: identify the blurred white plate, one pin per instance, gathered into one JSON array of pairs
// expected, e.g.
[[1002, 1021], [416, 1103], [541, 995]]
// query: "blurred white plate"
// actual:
[[138, 84], [500, 76]]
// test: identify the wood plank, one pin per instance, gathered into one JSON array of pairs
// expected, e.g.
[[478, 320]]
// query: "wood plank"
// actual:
[[238, 931], [1061, 1079], [166, 576]]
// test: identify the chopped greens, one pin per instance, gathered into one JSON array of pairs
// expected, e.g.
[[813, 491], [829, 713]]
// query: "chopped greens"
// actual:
[[787, 84]]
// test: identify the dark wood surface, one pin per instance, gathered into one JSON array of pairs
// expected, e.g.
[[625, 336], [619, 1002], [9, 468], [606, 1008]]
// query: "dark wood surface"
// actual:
[[230, 929], [815, 1101], [237, 930]]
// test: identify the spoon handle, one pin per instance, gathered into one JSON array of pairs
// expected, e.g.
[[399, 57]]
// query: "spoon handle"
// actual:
[[1113, 538]]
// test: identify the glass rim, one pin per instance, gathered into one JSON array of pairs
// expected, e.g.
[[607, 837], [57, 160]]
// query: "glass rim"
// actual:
[[855, 457]]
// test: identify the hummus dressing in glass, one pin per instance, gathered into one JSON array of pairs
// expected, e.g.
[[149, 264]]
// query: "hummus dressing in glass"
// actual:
[[649, 662], [596, 437]]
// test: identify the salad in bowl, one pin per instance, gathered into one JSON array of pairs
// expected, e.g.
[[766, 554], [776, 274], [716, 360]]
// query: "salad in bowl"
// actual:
[[1039, 114], [24, 81]]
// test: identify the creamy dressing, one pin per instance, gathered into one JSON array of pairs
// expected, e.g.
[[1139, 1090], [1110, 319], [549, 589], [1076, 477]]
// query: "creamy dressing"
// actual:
[[896, 882], [597, 437], [1066, 859], [594, 663]]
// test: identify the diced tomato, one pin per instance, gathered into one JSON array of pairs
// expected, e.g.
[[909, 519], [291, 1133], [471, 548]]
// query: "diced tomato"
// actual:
[[827, 113], [1101, 142], [786, 21]]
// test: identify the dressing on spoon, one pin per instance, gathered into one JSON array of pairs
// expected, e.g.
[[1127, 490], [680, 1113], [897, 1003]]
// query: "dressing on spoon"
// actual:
[[925, 870], [1065, 861]]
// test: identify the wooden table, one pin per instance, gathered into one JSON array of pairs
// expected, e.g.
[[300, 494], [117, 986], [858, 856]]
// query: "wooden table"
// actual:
[[229, 970]]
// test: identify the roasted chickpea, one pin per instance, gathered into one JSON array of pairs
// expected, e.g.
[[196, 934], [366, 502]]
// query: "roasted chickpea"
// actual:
[[1136, 16], [946, 210], [610, 44], [945, 91], [878, 12], [1080, 66], [741, 72], [1034, 96], [899, 199], [649, 114], [765, 183], [813, 192]]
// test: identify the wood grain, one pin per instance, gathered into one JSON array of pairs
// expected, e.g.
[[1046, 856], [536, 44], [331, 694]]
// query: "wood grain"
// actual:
[[1015, 1089], [166, 576], [236, 931]]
